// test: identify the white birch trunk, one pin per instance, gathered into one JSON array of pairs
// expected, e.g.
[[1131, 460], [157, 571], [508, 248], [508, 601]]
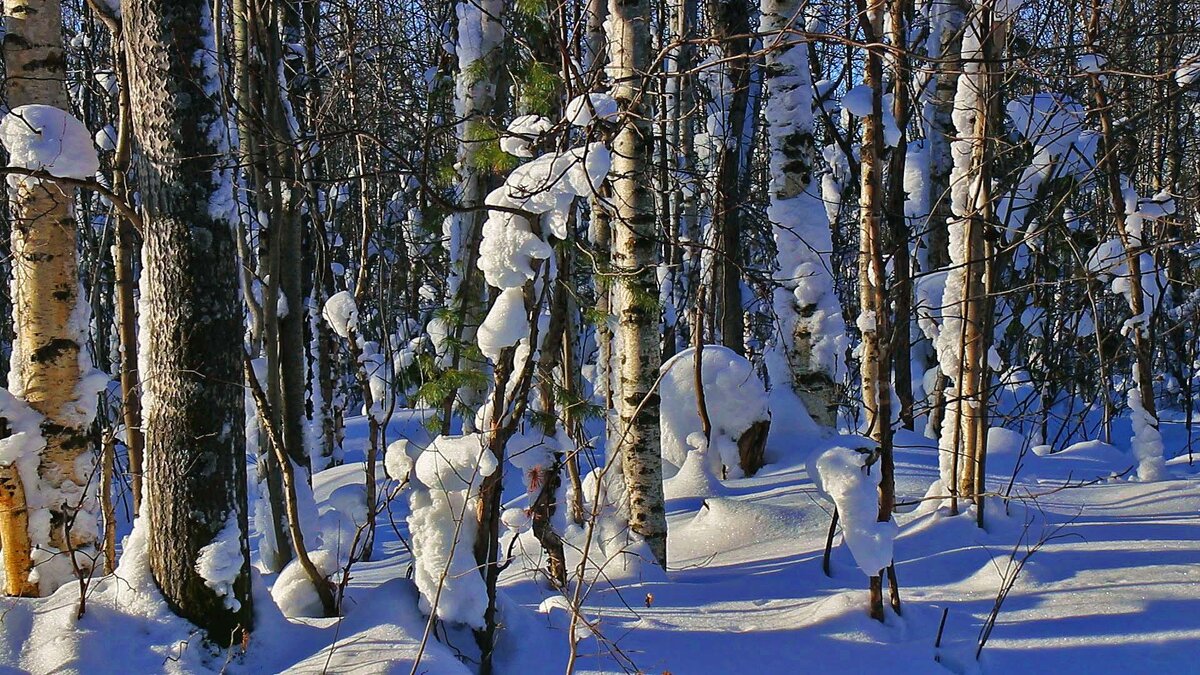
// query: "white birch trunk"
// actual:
[[635, 296]]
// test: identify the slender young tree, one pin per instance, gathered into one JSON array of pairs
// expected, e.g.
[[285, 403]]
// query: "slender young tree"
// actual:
[[635, 300], [874, 312], [191, 320]]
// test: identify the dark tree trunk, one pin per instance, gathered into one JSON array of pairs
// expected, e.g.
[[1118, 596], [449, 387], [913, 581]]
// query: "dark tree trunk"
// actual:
[[191, 314]]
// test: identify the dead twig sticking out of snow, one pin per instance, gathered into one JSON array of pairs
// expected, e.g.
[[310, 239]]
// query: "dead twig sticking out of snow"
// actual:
[[1012, 569]]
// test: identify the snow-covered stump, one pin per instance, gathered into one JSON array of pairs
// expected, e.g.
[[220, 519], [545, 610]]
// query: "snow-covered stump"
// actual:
[[737, 407]]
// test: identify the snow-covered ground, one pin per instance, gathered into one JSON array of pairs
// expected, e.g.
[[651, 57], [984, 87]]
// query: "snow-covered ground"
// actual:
[[1114, 588]]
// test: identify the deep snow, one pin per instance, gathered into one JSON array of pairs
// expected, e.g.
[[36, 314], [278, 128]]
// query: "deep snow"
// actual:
[[1116, 590]]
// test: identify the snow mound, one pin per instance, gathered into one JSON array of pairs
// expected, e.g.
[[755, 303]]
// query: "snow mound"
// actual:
[[350, 501], [734, 396], [293, 591], [455, 463], [42, 137], [1051, 122], [857, 101], [728, 525], [1082, 461], [505, 325], [694, 479]]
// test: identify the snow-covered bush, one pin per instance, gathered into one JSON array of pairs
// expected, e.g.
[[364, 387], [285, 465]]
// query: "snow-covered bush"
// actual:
[[442, 523], [846, 477]]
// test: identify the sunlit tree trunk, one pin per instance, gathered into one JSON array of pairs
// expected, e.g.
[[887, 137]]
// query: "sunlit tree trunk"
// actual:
[[191, 315], [47, 362], [874, 313], [635, 296], [812, 340]]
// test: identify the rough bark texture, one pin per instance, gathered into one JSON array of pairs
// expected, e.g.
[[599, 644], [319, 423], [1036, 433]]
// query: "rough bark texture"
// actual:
[[192, 317], [46, 369], [731, 29], [635, 297]]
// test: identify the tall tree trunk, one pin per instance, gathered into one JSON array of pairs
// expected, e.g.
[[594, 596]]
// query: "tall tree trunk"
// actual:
[[874, 317], [46, 368], [635, 300], [254, 142], [966, 336], [812, 342], [286, 195], [897, 220], [944, 42], [731, 30], [192, 315]]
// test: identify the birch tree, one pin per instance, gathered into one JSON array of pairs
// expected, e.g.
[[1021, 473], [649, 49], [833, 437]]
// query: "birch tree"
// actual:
[[635, 297], [874, 320], [812, 333], [965, 339], [48, 368]]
